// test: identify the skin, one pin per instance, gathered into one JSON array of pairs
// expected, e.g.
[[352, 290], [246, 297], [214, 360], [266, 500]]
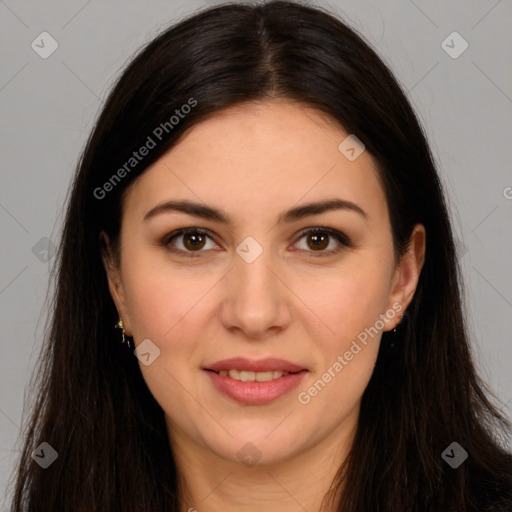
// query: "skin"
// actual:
[[254, 162]]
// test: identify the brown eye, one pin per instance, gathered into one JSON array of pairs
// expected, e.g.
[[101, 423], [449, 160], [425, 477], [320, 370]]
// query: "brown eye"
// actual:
[[188, 242], [193, 241], [318, 239]]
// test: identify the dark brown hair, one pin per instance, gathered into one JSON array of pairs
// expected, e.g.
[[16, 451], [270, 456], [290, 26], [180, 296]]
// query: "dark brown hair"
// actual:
[[93, 406]]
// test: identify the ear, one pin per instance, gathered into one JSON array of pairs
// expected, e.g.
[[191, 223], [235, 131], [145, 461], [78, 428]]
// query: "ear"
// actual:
[[407, 274], [115, 283]]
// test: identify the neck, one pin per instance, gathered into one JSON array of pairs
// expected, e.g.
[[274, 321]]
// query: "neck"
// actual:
[[211, 483]]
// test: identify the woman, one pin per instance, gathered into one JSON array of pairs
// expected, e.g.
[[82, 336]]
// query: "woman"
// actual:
[[258, 213]]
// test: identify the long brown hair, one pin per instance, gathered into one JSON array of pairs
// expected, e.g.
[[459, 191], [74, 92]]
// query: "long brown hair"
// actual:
[[92, 404]]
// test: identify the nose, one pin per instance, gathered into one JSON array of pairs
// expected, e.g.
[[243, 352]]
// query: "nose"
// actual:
[[257, 300]]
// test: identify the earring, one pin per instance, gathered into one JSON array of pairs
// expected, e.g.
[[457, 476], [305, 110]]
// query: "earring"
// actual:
[[120, 325], [401, 317]]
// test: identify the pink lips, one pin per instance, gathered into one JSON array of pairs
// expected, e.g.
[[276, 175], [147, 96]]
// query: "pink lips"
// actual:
[[262, 365], [255, 393]]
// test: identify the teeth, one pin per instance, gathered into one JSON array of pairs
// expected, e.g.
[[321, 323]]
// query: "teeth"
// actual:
[[246, 376]]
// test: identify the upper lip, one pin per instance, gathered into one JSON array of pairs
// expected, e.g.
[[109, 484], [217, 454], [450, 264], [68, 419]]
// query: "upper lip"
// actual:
[[259, 365]]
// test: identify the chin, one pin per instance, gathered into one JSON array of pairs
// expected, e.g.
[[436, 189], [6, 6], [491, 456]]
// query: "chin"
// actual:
[[258, 447]]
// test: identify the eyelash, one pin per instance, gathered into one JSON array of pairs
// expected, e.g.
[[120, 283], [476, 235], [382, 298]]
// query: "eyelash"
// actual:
[[340, 237]]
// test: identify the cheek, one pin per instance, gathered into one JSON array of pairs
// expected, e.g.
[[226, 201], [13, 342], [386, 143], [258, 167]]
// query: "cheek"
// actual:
[[157, 304], [346, 300], [350, 302], [349, 307], [340, 301], [150, 307], [166, 307], [153, 294]]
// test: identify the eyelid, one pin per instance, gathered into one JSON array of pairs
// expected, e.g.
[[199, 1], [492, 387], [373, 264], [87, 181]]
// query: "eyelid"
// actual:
[[340, 237]]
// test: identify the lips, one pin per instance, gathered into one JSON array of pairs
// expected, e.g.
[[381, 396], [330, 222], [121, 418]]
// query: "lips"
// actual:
[[255, 382], [262, 365]]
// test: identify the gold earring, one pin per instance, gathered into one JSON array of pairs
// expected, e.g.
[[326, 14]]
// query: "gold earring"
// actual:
[[401, 317], [120, 325]]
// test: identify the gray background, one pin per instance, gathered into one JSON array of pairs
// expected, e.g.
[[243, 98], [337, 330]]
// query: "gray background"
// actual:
[[48, 107]]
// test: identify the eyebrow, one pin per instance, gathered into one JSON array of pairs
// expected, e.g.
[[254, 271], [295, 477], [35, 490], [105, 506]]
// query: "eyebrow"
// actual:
[[219, 215]]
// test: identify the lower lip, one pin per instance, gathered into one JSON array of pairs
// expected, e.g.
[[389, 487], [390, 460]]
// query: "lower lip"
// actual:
[[256, 393]]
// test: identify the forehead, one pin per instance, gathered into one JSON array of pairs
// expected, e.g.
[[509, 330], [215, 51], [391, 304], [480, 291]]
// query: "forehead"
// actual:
[[260, 158]]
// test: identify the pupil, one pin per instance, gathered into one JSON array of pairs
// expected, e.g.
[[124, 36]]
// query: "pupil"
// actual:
[[319, 241], [193, 240]]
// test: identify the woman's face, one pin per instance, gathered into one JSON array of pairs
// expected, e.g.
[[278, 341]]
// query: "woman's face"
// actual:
[[257, 285]]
